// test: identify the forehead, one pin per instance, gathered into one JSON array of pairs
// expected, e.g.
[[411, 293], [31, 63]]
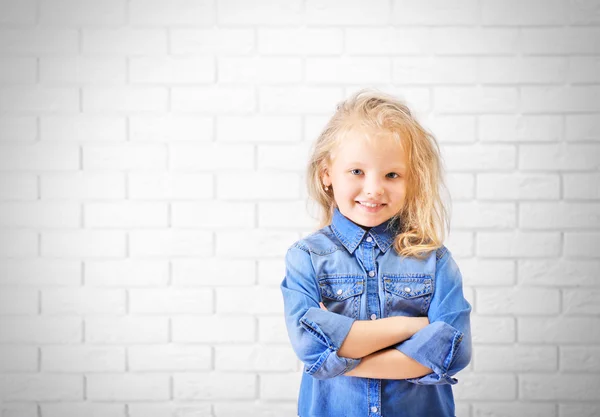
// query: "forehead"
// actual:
[[367, 149]]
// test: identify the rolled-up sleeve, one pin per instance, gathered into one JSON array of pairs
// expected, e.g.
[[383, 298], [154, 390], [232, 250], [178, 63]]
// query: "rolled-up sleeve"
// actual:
[[315, 334], [444, 345]]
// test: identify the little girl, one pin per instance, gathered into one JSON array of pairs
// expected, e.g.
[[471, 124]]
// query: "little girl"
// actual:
[[373, 300]]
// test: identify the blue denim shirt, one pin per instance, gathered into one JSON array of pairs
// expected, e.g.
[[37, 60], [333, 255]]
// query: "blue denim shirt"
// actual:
[[358, 275]]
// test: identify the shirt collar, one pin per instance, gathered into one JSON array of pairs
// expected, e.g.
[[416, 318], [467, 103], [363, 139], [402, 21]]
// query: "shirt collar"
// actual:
[[351, 234]]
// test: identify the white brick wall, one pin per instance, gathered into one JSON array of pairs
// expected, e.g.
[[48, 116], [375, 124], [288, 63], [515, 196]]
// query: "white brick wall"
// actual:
[[151, 175]]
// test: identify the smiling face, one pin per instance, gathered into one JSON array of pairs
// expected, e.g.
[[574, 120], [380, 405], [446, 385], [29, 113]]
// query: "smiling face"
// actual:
[[367, 171]]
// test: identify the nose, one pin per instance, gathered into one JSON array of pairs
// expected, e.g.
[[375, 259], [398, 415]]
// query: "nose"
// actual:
[[373, 186]]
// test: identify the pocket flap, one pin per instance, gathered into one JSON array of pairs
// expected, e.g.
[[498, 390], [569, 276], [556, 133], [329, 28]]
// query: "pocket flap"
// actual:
[[407, 287], [341, 288]]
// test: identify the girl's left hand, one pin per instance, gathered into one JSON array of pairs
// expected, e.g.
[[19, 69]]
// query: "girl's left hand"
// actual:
[[323, 306]]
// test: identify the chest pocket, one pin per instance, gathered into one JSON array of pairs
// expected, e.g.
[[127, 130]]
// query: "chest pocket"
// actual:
[[407, 295], [341, 294]]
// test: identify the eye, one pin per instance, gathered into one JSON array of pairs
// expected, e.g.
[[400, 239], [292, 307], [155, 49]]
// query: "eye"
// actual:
[[353, 171], [393, 173]]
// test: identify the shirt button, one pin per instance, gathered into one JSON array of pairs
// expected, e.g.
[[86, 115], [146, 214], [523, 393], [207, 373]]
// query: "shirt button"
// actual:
[[373, 409], [371, 273], [369, 239], [373, 316], [339, 292], [406, 289]]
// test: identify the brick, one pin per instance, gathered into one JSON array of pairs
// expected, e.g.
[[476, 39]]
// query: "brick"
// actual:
[[171, 301], [558, 387], [435, 70], [210, 272], [120, 330], [520, 408], [298, 100], [276, 386], [461, 243], [124, 41], [461, 186], [583, 69], [170, 243], [18, 243], [518, 244], [260, 70], [518, 301], [214, 99], [581, 244], [475, 40], [349, 70], [127, 273], [255, 358], [518, 186], [493, 329], [40, 387], [523, 13], [38, 99], [562, 215], [303, 41], [19, 409], [171, 186], [476, 99], [254, 243], [171, 70], [40, 330], [169, 358], [521, 129], [18, 359], [453, 128], [580, 358], [82, 13], [127, 387], [479, 157], [18, 187], [20, 13], [579, 410], [563, 157], [19, 301], [38, 272], [83, 70], [217, 41], [83, 243], [582, 127], [253, 300], [258, 129], [83, 301], [560, 99], [172, 13], [75, 409], [17, 128], [558, 272], [18, 70], [35, 156], [582, 186], [283, 157], [272, 330], [124, 99], [584, 302], [473, 386], [213, 215], [126, 215], [266, 409], [487, 272], [563, 330], [82, 359], [124, 156], [387, 41], [481, 215], [154, 409], [38, 41], [271, 272], [211, 157], [559, 41], [413, 12], [278, 215], [170, 128], [83, 128], [213, 329], [258, 186], [515, 358], [40, 214], [214, 386], [81, 185]]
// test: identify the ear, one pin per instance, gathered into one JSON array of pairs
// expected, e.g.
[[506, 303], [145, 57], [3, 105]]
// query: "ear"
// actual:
[[325, 178]]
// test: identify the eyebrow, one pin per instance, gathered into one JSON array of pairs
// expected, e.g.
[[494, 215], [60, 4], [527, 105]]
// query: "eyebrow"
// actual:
[[360, 163]]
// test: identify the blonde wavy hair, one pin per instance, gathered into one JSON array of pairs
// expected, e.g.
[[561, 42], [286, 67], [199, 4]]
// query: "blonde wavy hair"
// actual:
[[420, 226]]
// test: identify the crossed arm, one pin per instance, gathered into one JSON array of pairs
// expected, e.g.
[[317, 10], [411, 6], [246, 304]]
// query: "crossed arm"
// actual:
[[370, 340]]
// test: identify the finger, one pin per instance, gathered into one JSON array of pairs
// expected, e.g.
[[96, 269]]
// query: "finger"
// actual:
[[323, 306]]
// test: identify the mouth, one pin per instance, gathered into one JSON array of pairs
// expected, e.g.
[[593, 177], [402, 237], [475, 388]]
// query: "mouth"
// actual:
[[370, 207]]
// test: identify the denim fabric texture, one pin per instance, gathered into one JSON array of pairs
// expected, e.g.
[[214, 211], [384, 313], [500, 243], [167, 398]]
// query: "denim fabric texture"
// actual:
[[358, 275]]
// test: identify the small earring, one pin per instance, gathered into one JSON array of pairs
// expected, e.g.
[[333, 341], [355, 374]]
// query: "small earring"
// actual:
[[326, 188]]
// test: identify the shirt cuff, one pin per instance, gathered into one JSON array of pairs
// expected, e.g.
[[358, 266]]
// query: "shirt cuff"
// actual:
[[434, 346], [332, 328]]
